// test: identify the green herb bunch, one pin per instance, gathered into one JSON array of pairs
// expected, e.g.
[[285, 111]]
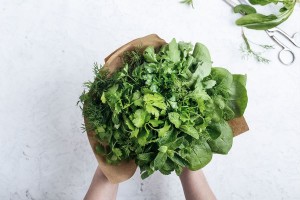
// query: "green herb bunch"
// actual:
[[166, 108]]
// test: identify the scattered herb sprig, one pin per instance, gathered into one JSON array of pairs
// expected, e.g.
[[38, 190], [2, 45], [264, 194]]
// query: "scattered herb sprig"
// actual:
[[188, 2], [249, 52]]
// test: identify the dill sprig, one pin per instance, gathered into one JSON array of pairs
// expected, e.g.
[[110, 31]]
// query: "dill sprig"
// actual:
[[249, 52], [188, 2]]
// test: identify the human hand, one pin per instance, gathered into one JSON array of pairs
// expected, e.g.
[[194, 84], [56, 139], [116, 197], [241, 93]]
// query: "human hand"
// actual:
[[101, 188], [195, 186]]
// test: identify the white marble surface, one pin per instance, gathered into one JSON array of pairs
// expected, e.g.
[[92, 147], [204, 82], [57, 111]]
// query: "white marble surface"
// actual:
[[47, 49]]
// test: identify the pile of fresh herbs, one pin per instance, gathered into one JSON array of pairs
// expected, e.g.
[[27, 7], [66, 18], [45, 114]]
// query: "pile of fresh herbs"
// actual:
[[166, 108]]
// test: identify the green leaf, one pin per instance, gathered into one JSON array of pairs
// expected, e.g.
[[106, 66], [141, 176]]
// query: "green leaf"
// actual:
[[128, 123], [209, 84], [155, 122], [145, 158], [242, 79], [143, 137], [190, 130], [136, 98], [201, 53], [223, 77], [156, 100], [163, 149], [149, 54], [258, 21], [199, 156], [238, 100], [262, 2], [223, 143], [139, 118], [202, 70], [134, 133], [100, 149], [175, 119], [174, 53], [162, 132], [103, 99], [244, 9], [152, 110], [160, 160]]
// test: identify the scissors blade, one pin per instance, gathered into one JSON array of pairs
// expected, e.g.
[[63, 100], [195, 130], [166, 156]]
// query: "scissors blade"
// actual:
[[244, 2], [231, 3]]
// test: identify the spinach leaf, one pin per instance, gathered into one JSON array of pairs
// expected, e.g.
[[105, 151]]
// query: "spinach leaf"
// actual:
[[223, 143]]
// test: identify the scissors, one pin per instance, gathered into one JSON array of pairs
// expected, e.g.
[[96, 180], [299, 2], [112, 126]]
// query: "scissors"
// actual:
[[272, 34]]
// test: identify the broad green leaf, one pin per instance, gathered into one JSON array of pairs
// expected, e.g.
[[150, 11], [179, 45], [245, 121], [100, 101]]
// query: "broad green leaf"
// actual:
[[149, 54], [238, 98], [201, 53], [222, 76], [242, 79], [199, 156], [223, 143], [190, 130], [254, 18], [152, 110], [136, 98], [262, 2], [156, 100], [203, 70], [155, 122], [244, 9], [128, 123], [134, 133], [209, 84], [163, 149], [160, 160], [175, 119], [143, 137], [145, 158], [139, 118], [174, 53], [162, 132]]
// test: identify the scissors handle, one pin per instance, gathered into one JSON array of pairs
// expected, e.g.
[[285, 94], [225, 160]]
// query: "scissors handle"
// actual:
[[285, 49], [281, 56]]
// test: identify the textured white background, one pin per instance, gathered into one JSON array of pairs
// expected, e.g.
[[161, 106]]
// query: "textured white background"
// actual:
[[47, 49]]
